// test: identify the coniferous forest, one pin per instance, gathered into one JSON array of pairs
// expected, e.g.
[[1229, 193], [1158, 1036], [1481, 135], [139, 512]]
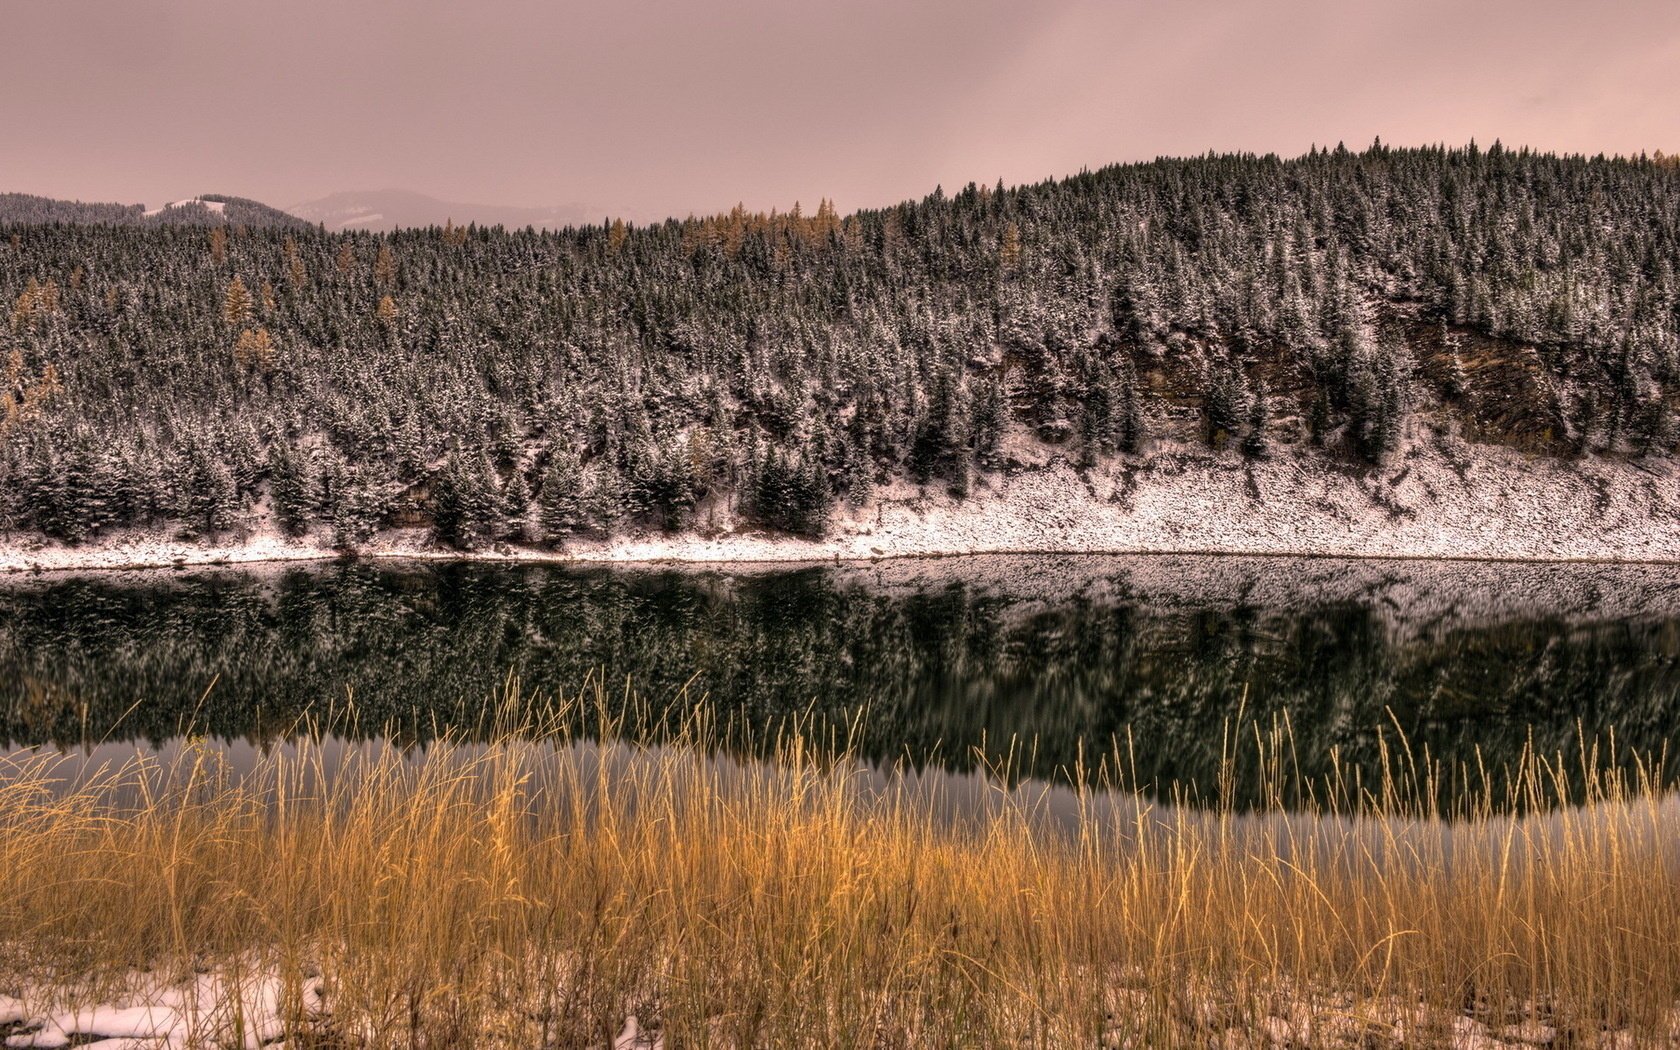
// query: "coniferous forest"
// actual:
[[493, 384]]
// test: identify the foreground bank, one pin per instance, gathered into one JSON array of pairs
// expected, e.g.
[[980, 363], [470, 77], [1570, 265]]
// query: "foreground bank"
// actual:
[[1440, 498], [540, 892]]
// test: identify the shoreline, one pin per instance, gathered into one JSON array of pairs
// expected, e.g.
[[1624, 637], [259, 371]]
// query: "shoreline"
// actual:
[[217, 558], [1437, 500]]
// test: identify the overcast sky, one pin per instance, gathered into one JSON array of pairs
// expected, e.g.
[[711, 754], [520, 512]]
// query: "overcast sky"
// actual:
[[646, 108]]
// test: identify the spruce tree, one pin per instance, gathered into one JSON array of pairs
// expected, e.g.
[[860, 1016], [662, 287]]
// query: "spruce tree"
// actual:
[[604, 499], [291, 488], [466, 509], [562, 510], [209, 495], [357, 516], [516, 506], [1255, 442]]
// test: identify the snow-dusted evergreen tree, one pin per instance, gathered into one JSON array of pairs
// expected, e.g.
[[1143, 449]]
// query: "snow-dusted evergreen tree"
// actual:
[[292, 486], [562, 508], [467, 506]]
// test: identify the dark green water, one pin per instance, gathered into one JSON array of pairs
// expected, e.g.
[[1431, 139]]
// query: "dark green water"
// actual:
[[1067, 653]]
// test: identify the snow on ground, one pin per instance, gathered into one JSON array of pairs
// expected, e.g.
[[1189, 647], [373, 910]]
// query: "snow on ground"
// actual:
[[210, 1009], [142, 550], [213, 1009], [1443, 499]]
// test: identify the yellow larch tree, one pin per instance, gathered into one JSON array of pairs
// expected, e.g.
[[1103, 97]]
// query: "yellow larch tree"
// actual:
[[385, 266], [236, 305], [255, 349], [296, 275]]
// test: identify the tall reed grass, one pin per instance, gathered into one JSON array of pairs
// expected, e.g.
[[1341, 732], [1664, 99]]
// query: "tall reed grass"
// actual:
[[536, 889]]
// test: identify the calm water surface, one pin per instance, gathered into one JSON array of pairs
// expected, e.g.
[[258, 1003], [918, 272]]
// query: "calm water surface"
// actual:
[[1164, 656]]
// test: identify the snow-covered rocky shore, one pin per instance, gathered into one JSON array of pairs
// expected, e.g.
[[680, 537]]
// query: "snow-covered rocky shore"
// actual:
[[1436, 499]]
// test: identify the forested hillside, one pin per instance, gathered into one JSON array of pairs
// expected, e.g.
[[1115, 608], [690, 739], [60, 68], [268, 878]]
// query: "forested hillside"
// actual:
[[494, 384], [28, 208], [211, 209]]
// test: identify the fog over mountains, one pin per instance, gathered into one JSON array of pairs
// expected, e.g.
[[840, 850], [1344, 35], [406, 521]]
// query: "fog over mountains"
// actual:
[[392, 209]]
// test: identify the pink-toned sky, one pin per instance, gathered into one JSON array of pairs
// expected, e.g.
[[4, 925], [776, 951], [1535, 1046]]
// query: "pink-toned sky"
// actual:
[[650, 107]]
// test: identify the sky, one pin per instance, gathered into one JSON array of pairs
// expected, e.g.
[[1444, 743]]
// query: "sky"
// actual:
[[647, 108]]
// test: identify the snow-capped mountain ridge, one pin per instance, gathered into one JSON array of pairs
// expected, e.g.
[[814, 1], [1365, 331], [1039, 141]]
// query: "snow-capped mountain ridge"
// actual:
[[391, 209], [219, 207]]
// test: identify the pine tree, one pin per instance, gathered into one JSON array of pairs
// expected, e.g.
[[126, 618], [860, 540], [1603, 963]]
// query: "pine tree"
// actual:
[[466, 505], [562, 510], [670, 492], [604, 499], [791, 494], [1225, 403], [516, 506], [1255, 441], [291, 488], [989, 415], [209, 496], [254, 349], [360, 507], [1009, 248], [1128, 414], [331, 482]]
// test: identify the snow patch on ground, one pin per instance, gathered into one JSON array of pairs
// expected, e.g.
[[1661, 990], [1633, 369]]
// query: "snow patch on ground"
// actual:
[[1442, 499], [210, 1009], [132, 549], [214, 1009]]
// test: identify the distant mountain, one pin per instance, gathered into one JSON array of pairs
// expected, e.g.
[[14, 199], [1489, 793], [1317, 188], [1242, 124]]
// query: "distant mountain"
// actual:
[[394, 209], [210, 209]]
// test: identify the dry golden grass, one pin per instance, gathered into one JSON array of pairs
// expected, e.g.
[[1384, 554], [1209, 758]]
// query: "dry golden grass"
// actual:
[[535, 891]]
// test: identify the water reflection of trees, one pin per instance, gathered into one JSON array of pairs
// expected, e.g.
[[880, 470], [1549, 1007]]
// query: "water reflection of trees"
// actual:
[[941, 669]]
